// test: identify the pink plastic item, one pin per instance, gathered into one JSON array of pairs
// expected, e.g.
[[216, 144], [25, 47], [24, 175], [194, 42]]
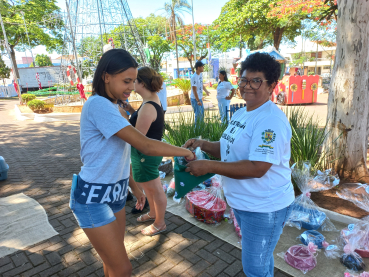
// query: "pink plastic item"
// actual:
[[235, 223], [301, 257]]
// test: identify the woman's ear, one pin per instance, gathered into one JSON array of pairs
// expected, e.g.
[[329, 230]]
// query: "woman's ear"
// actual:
[[106, 77], [273, 85]]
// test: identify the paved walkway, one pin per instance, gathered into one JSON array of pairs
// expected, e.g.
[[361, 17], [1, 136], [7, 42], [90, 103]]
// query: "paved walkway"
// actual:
[[42, 158]]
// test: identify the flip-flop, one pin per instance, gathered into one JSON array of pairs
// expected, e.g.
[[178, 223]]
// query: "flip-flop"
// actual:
[[139, 219], [158, 231]]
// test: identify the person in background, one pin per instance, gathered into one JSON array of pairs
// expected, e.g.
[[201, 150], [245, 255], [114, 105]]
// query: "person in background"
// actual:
[[149, 120], [255, 152], [163, 97], [196, 91], [98, 197], [224, 98]]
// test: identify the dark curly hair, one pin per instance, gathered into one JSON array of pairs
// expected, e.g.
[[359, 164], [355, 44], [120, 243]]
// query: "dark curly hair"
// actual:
[[262, 62]]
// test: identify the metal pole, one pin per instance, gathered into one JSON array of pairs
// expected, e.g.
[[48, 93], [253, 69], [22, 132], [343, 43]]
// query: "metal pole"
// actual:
[[10, 57], [74, 42], [102, 42], [316, 56], [33, 60], [193, 35]]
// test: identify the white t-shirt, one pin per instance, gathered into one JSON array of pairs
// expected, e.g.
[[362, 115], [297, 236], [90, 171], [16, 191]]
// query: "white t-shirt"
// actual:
[[196, 81], [223, 89], [105, 157], [163, 97], [262, 135]]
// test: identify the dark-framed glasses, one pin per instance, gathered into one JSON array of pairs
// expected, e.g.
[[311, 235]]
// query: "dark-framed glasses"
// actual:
[[254, 83]]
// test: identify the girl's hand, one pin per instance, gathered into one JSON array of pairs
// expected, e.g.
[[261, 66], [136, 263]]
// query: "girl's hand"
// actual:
[[126, 106], [141, 198], [191, 156]]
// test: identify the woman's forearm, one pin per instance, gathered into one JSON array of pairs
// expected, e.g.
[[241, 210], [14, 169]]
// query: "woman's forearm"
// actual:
[[158, 148], [213, 148]]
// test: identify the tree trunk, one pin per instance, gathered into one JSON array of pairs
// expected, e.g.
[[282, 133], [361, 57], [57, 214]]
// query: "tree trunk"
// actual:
[[12, 54], [277, 37], [348, 107]]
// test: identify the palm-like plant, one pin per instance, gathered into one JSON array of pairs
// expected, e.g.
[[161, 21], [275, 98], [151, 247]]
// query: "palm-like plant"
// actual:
[[185, 86], [174, 11]]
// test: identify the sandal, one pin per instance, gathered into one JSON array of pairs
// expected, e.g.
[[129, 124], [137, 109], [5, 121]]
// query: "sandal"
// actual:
[[140, 218], [150, 233]]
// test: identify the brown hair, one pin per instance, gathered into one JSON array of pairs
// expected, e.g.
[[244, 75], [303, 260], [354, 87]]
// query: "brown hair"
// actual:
[[151, 79]]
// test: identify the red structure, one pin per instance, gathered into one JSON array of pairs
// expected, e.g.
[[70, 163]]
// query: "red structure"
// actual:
[[296, 90]]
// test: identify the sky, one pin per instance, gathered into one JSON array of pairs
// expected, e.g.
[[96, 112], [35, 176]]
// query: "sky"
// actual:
[[205, 12]]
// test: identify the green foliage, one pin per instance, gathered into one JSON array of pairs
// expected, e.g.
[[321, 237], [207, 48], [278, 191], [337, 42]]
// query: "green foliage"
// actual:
[[215, 86], [4, 70], [165, 76], [311, 73], [299, 58], [28, 97], [242, 20], [183, 84], [36, 104], [44, 23], [182, 127], [158, 47], [307, 140], [43, 60]]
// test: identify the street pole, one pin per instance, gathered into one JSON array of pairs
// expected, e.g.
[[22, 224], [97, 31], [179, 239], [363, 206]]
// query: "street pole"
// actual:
[[10, 58], [193, 35], [316, 57]]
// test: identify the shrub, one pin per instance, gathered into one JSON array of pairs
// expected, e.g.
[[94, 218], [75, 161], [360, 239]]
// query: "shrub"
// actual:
[[215, 85], [311, 73], [185, 86], [28, 97], [182, 127], [36, 104]]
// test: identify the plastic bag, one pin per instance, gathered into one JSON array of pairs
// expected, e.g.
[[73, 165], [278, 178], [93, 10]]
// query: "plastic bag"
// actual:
[[360, 197], [350, 258], [171, 188], [315, 237], [207, 205], [349, 273], [237, 228], [184, 181], [301, 257], [305, 213]]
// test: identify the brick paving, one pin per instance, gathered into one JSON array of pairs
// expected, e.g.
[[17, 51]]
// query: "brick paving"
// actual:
[[42, 158]]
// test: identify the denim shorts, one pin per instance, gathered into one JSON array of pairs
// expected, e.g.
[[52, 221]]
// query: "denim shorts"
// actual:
[[93, 215]]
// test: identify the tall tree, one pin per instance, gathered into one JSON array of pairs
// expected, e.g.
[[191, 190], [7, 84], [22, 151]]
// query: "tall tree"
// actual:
[[4, 70], [241, 20], [348, 108], [204, 34], [43, 60], [43, 22], [174, 12]]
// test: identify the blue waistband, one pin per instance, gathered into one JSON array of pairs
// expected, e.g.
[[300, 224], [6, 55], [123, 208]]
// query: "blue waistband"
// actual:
[[89, 193]]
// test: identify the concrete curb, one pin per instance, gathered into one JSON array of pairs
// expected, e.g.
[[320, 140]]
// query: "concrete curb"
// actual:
[[51, 117]]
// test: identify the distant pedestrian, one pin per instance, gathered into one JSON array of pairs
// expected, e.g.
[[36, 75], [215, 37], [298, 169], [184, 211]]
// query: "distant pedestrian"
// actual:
[[196, 91], [163, 97], [223, 95]]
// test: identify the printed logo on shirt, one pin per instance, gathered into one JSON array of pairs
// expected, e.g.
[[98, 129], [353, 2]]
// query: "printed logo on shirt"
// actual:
[[88, 193], [266, 146], [268, 136]]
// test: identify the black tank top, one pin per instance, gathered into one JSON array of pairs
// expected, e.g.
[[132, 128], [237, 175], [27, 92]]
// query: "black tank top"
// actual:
[[156, 129]]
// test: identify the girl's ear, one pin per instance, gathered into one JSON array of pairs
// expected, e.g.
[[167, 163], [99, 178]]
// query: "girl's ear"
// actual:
[[106, 77]]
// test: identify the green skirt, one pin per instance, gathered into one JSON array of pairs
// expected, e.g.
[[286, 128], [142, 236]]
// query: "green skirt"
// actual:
[[145, 168]]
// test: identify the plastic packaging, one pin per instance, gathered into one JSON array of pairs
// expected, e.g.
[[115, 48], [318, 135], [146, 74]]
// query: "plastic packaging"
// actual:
[[171, 188], [207, 205], [350, 258], [315, 237], [305, 213], [237, 228], [360, 197], [165, 186], [349, 273], [301, 257]]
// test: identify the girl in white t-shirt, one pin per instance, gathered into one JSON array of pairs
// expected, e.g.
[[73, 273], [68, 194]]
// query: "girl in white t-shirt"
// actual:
[[99, 193], [224, 98], [255, 152]]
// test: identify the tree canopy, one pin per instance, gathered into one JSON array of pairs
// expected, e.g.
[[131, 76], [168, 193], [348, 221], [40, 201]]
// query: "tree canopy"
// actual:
[[43, 60], [4, 70], [241, 20], [43, 21]]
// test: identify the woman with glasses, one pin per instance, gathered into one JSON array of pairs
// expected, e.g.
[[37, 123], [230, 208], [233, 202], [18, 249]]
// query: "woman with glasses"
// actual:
[[255, 154], [224, 98]]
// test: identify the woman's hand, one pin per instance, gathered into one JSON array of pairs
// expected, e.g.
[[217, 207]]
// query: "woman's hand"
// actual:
[[199, 168], [192, 144], [190, 156], [127, 107], [141, 198], [228, 98]]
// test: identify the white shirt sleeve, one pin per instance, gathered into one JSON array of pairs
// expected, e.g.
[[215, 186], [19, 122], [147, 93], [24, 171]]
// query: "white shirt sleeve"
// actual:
[[194, 80], [106, 118], [269, 141], [229, 86]]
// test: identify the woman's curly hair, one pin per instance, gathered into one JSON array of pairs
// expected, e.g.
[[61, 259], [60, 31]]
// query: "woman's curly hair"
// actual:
[[262, 62]]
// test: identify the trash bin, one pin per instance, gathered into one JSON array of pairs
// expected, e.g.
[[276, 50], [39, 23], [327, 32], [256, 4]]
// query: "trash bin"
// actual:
[[3, 169]]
